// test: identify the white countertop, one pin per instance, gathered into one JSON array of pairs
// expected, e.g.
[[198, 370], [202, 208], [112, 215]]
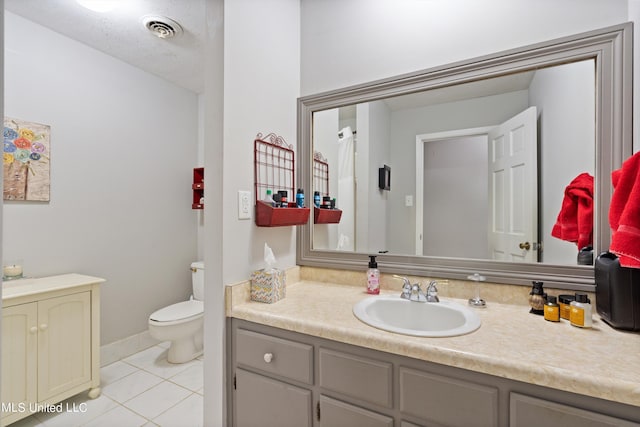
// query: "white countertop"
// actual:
[[30, 286], [601, 362]]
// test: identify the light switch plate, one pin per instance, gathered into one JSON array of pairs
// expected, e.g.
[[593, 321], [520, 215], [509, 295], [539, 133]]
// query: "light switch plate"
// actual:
[[244, 205], [408, 200]]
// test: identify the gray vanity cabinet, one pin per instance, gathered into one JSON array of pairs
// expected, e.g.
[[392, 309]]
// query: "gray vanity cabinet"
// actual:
[[281, 378]]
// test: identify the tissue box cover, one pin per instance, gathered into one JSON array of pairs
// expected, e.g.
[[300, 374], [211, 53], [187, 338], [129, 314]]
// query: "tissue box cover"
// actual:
[[268, 286]]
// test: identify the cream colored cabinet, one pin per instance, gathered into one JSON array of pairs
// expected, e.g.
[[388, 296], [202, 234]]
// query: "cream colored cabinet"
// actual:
[[19, 358], [50, 348], [64, 344]]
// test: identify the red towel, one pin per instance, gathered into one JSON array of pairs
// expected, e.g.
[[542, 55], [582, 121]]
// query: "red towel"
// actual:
[[624, 212], [575, 220]]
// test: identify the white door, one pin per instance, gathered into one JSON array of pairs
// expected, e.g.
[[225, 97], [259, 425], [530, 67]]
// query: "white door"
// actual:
[[513, 189]]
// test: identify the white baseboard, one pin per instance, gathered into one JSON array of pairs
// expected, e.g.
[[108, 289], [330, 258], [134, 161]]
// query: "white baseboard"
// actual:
[[120, 349]]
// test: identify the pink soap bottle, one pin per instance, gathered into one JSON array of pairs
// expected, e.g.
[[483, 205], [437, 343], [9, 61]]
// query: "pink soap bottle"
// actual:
[[373, 276]]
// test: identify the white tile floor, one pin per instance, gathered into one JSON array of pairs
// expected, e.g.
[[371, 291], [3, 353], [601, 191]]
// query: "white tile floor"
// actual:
[[140, 390]]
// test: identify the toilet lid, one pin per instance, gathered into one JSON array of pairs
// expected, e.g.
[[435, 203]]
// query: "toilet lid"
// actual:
[[181, 310]]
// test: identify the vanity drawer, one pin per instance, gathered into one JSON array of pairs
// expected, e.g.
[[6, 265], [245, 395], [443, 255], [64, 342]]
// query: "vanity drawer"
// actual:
[[276, 356], [357, 377], [334, 413], [438, 399]]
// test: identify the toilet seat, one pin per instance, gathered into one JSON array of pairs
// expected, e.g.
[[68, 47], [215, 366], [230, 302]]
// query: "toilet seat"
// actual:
[[178, 312]]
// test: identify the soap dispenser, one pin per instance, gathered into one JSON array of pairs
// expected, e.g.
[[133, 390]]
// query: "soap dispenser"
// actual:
[[373, 276]]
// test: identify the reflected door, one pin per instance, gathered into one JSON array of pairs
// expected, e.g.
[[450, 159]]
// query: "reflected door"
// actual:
[[513, 189]]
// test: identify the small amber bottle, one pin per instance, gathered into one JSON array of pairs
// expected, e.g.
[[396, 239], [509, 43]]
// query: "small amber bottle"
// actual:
[[552, 309]]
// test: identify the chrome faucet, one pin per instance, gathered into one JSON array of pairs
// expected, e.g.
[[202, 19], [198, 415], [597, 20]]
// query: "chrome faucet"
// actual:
[[413, 292]]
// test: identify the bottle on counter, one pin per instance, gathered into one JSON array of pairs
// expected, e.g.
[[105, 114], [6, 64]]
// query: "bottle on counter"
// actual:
[[581, 312], [565, 305], [373, 276], [552, 309]]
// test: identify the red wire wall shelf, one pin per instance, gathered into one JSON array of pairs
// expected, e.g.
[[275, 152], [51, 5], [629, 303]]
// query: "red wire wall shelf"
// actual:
[[321, 184], [198, 188], [274, 166]]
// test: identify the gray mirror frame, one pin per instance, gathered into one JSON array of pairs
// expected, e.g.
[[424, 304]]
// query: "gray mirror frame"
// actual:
[[611, 48]]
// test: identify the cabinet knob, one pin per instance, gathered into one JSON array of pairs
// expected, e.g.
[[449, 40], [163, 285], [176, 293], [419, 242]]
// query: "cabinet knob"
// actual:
[[268, 357], [43, 326], [33, 329]]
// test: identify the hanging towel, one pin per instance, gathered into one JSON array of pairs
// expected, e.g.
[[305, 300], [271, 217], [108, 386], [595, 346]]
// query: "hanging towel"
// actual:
[[575, 220], [624, 212]]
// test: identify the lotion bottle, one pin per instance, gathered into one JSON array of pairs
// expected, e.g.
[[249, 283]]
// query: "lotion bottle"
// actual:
[[581, 312], [373, 276]]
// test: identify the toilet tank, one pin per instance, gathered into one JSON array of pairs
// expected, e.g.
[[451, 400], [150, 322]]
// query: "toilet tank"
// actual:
[[197, 280]]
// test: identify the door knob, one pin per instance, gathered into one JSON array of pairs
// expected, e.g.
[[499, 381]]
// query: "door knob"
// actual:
[[526, 246]]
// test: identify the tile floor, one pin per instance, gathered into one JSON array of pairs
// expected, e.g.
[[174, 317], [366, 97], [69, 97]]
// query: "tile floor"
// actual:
[[140, 390]]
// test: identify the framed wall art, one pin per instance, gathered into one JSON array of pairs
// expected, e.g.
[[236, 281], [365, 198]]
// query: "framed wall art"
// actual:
[[26, 161]]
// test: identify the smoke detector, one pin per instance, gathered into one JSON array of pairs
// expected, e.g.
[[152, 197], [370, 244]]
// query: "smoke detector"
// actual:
[[161, 26]]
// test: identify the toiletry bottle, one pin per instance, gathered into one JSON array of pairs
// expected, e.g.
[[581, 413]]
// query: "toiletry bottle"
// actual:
[[373, 276], [552, 309], [316, 199], [268, 198], [277, 201], [300, 198], [565, 305], [283, 198], [581, 311], [326, 202]]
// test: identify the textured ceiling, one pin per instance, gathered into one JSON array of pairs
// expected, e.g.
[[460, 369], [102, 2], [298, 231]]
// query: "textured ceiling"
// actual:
[[120, 33]]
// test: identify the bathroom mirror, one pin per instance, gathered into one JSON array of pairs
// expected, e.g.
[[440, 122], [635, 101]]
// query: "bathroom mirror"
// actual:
[[406, 121]]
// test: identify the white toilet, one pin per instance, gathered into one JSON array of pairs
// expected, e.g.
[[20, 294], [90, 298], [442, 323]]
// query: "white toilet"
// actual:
[[182, 323]]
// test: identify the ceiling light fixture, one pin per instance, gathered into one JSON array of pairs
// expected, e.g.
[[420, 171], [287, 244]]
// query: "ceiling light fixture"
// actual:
[[100, 6]]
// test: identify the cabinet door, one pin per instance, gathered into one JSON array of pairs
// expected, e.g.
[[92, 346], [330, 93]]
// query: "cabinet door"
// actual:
[[264, 402], [64, 343], [527, 411], [447, 401], [334, 413], [19, 358]]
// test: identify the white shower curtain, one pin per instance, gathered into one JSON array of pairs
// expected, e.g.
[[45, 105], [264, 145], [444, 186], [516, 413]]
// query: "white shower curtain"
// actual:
[[345, 198]]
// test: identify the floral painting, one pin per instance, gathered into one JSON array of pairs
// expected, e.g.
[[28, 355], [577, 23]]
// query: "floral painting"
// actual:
[[26, 160]]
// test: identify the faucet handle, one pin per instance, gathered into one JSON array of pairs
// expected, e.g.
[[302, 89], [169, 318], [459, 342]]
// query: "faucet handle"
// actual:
[[406, 286], [432, 292]]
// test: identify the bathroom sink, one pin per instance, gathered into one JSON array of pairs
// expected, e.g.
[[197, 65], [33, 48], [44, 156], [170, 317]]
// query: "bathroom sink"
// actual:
[[422, 319]]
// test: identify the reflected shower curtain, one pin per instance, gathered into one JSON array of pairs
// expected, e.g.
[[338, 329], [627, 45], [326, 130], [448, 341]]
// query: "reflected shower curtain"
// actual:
[[345, 199]]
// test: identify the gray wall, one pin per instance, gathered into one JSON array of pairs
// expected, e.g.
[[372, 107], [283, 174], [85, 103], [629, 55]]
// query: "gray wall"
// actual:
[[355, 41], [456, 212], [123, 144], [406, 124], [565, 98]]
